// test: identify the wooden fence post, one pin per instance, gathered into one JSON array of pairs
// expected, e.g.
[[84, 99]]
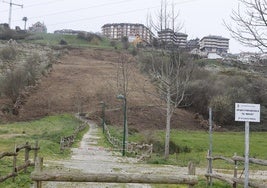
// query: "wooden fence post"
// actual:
[[235, 172], [36, 151], [27, 153], [191, 171], [209, 171], [38, 168], [14, 171]]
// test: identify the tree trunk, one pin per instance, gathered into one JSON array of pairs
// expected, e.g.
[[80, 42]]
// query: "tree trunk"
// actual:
[[168, 123]]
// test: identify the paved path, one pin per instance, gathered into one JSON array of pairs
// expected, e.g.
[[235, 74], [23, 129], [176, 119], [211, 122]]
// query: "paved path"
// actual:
[[90, 157]]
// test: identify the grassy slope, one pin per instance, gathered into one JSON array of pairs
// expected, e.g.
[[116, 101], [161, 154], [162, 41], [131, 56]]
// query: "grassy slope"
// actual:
[[47, 131], [72, 40], [197, 144]]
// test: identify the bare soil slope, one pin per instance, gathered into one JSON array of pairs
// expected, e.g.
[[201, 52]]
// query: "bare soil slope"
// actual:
[[83, 78]]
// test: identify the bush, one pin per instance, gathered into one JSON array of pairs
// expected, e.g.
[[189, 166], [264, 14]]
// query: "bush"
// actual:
[[13, 83], [125, 42], [175, 148], [63, 42], [222, 107], [8, 53], [113, 43], [31, 68]]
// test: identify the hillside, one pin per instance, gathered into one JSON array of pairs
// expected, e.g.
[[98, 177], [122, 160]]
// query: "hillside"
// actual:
[[83, 78]]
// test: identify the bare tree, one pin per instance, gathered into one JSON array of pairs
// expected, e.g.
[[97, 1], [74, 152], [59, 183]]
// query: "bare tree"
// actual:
[[165, 18], [250, 23], [172, 76], [124, 72]]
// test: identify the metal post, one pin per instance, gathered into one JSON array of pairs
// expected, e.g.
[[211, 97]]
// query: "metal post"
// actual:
[[210, 141], [246, 154], [123, 97], [124, 126], [235, 173], [10, 11], [103, 116]]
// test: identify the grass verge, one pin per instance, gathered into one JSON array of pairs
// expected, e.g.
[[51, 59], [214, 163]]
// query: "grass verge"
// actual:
[[48, 131]]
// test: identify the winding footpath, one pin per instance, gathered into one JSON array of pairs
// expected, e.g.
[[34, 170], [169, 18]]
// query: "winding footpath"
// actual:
[[90, 157]]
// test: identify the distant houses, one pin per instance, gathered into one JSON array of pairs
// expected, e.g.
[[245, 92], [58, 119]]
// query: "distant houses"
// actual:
[[38, 27]]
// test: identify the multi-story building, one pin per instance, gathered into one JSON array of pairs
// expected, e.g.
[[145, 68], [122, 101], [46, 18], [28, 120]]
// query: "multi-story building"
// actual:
[[120, 30], [38, 27], [168, 36], [217, 44], [192, 44]]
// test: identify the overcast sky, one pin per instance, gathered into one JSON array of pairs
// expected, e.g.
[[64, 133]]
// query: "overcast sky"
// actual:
[[199, 17]]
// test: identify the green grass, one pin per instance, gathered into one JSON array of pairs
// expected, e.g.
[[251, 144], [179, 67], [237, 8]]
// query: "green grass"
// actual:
[[72, 41], [201, 184], [48, 131], [195, 145], [223, 143]]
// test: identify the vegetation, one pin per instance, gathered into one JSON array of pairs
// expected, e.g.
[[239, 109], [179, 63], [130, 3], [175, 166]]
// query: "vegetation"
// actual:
[[70, 41], [48, 131], [220, 85], [186, 146], [248, 23], [16, 75], [213, 84]]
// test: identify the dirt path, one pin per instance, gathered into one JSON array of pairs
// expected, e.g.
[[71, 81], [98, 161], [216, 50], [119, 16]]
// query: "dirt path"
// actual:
[[90, 157]]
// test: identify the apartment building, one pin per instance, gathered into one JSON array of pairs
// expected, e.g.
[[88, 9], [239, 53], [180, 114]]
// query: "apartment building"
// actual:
[[120, 30], [217, 44], [168, 36]]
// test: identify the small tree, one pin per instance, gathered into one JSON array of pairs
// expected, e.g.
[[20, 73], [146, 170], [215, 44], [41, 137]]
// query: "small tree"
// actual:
[[168, 69], [25, 19], [124, 72], [172, 76]]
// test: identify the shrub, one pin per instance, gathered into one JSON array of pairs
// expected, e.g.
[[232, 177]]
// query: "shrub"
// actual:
[[13, 83], [8, 53], [63, 42], [175, 148], [222, 107], [31, 68], [125, 42], [113, 43]]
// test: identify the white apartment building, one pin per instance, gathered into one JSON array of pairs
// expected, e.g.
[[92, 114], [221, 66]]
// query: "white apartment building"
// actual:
[[215, 44], [168, 36], [120, 30]]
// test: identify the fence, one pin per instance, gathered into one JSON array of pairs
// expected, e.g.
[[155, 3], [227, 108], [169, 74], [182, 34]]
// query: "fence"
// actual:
[[233, 180], [144, 150], [67, 141], [39, 175], [27, 162]]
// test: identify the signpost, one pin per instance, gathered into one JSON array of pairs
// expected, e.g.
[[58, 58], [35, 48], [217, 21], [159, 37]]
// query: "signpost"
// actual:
[[247, 113]]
